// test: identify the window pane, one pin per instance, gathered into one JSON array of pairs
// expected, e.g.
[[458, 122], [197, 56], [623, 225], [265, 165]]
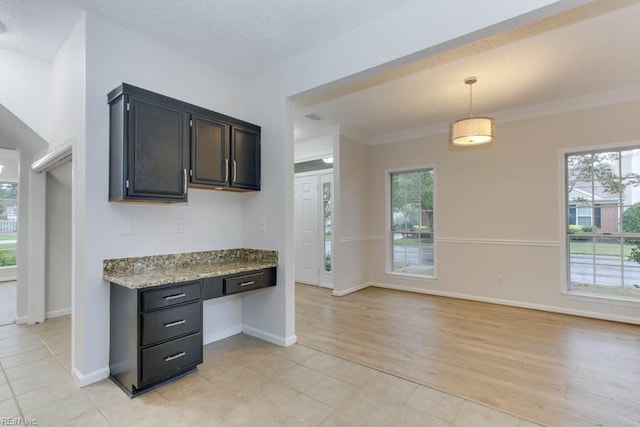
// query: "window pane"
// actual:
[[581, 262], [8, 223], [326, 196], [412, 222], [603, 192]]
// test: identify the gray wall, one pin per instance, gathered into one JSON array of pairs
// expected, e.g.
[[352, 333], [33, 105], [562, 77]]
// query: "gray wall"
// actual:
[[58, 241]]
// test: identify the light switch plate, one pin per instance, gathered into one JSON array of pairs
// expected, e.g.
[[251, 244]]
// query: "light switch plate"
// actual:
[[179, 226]]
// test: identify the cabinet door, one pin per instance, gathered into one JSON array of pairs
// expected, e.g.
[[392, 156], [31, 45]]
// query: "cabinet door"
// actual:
[[245, 155], [158, 150], [209, 152]]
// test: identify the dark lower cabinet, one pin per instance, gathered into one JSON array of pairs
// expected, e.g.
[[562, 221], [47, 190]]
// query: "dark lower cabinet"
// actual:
[[156, 334], [219, 286]]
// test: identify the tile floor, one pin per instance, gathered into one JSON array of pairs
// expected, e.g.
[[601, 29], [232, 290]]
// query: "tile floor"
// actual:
[[242, 382]]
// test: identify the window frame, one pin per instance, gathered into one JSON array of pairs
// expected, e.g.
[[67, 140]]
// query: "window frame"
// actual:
[[565, 205], [388, 233]]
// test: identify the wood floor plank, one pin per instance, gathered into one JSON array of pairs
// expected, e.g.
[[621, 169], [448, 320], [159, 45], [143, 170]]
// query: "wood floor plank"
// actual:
[[551, 368]]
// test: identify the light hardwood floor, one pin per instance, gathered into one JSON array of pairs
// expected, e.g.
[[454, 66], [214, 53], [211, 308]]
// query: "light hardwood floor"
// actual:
[[553, 369]]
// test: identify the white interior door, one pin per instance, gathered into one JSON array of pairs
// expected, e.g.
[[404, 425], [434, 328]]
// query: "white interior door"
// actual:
[[305, 229]]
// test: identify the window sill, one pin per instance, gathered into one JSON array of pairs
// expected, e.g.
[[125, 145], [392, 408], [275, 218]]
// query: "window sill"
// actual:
[[602, 299], [410, 276]]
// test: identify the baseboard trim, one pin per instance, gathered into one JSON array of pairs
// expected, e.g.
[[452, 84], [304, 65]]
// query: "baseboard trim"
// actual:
[[350, 290], [21, 320], [57, 313], [269, 337], [93, 377], [290, 340], [220, 335], [540, 307]]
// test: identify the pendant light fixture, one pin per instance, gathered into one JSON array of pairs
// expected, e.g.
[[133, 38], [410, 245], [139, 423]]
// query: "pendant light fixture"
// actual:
[[472, 130]]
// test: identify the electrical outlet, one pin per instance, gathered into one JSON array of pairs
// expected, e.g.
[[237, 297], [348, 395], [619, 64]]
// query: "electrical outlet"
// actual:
[[179, 226], [500, 280]]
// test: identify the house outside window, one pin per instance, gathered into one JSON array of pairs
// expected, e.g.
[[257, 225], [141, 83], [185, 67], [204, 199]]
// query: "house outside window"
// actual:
[[8, 223], [603, 222], [411, 219]]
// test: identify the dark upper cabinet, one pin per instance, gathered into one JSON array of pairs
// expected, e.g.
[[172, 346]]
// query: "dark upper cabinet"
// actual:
[[160, 145], [149, 147], [209, 152], [224, 155], [245, 152]]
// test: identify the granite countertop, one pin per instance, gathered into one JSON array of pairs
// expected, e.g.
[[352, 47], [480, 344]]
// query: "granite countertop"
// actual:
[[144, 272]]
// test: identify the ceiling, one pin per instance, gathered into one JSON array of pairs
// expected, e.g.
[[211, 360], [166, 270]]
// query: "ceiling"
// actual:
[[250, 34], [594, 49], [588, 50]]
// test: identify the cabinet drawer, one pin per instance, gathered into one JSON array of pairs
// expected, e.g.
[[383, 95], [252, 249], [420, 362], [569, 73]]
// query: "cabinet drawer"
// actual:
[[164, 360], [170, 296], [169, 323], [243, 283]]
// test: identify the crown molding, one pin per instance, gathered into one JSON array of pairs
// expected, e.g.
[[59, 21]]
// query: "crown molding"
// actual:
[[567, 105]]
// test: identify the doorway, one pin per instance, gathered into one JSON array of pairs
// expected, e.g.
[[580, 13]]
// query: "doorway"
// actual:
[[313, 227]]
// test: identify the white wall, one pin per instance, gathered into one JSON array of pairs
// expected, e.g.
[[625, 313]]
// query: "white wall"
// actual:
[[498, 210], [352, 189], [315, 148], [25, 97], [212, 220], [25, 89], [58, 242]]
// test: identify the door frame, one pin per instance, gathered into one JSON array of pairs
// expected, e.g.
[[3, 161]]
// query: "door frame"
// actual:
[[325, 279]]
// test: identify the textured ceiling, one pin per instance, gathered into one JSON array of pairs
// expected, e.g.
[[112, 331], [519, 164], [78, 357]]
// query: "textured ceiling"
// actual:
[[250, 34], [591, 49]]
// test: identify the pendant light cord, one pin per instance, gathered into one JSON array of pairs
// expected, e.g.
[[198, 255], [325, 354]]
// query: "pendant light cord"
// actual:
[[471, 100]]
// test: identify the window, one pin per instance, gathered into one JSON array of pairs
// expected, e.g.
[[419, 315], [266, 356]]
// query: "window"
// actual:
[[8, 223], [583, 216], [326, 220], [412, 222], [603, 222]]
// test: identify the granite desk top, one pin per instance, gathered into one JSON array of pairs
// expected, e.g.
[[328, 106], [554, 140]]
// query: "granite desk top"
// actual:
[[144, 272]]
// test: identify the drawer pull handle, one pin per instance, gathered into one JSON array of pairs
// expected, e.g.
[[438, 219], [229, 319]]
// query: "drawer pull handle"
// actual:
[[246, 283], [170, 297], [175, 356], [176, 323]]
